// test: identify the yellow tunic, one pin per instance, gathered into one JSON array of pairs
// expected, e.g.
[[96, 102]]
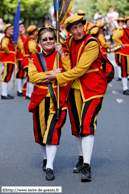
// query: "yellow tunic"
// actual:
[[32, 44], [5, 42], [20, 45], [102, 40], [88, 56], [118, 34]]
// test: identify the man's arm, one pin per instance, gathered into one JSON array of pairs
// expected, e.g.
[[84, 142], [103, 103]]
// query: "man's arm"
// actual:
[[103, 42], [116, 38], [89, 55], [4, 45]]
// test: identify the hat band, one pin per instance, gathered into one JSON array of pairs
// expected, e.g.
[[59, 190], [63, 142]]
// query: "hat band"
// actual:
[[76, 22]]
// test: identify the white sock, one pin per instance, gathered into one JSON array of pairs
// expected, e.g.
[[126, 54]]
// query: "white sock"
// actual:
[[87, 148], [44, 151], [27, 89], [124, 82], [4, 88], [23, 81], [51, 153], [79, 145], [31, 86], [119, 72], [19, 85]]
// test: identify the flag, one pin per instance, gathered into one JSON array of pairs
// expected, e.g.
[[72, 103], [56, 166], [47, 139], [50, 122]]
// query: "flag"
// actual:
[[64, 7], [16, 24]]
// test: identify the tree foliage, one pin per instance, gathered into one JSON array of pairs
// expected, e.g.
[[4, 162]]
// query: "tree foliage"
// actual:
[[34, 10], [101, 6]]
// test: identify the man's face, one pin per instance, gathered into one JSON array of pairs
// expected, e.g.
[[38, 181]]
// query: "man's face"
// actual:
[[77, 30], [121, 23], [9, 31], [21, 28], [127, 24]]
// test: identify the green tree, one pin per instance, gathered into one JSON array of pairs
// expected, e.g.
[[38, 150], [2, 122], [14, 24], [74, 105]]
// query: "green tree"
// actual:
[[102, 6], [32, 10]]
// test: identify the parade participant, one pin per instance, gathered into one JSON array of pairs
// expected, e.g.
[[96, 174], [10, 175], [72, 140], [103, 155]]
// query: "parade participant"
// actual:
[[87, 90], [7, 58], [47, 129], [102, 41], [120, 22], [21, 73], [95, 32], [30, 47], [90, 27], [121, 37]]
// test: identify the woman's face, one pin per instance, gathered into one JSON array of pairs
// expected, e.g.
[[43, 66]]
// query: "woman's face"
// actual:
[[47, 42]]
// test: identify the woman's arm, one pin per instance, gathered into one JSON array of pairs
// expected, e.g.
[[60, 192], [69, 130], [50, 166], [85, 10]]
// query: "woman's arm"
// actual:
[[34, 75]]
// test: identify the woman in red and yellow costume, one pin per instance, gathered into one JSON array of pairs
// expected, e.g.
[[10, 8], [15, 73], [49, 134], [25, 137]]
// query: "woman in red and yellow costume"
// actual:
[[7, 57], [47, 129]]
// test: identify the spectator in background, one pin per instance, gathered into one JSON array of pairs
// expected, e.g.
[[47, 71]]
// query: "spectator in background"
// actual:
[[112, 22], [1, 25], [1, 29], [113, 16]]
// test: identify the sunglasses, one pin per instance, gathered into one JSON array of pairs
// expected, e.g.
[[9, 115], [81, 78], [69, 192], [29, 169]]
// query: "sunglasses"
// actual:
[[45, 39]]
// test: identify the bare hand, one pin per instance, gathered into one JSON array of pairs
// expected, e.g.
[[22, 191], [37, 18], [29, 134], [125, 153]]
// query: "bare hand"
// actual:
[[49, 78], [57, 70], [122, 46], [59, 49]]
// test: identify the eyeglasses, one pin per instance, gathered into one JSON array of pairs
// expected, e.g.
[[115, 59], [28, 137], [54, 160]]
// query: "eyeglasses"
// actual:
[[45, 39]]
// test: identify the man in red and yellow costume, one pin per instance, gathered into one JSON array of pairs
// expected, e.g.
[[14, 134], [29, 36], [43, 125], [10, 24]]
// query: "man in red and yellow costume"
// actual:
[[102, 41], [21, 73], [121, 37], [30, 47], [7, 58], [87, 90], [120, 22]]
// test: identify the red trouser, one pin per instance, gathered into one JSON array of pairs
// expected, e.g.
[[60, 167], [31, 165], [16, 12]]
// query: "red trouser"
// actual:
[[83, 115], [8, 70], [124, 66]]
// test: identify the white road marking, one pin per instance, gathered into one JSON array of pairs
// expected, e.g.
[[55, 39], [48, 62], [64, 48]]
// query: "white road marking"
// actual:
[[120, 100], [110, 85], [115, 92]]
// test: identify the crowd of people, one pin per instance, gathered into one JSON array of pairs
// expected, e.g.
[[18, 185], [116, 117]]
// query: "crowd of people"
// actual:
[[81, 78]]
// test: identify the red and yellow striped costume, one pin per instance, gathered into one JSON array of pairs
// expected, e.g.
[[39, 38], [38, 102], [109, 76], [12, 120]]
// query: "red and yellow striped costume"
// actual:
[[47, 129], [7, 57], [103, 44], [122, 37], [89, 86], [20, 55]]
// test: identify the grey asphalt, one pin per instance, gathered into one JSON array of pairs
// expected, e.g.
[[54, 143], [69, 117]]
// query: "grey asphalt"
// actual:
[[21, 157]]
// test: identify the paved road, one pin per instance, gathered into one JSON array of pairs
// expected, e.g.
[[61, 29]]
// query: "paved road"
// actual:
[[21, 157]]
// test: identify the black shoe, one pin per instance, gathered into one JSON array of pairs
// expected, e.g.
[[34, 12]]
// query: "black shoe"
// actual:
[[78, 166], [126, 92], [86, 173], [44, 164], [119, 79], [49, 174], [19, 93], [11, 97], [27, 97], [7, 97]]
